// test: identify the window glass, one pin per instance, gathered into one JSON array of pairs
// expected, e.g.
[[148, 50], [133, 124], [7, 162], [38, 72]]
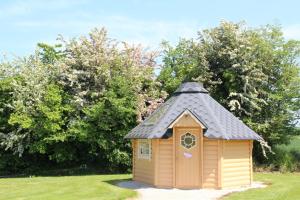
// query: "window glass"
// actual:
[[188, 140], [144, 149]]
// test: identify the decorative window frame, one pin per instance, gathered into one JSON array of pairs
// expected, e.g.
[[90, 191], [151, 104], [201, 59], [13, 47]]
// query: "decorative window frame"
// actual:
[[144, 149], [181, 140]]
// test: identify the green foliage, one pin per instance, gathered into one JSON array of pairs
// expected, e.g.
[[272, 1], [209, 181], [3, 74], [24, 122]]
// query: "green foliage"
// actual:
[[252, 72], [108, 121], [50, 54], [287, 157], [6, 89], [283, 161], [49, 128], [74, 102]]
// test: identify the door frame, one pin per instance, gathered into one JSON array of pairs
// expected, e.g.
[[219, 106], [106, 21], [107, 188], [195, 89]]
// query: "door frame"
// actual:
[[175, 131]]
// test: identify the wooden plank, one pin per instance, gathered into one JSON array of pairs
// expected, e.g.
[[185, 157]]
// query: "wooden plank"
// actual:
[[238, 182], [213, 158], [165, 176], [144, 169], [235, 141], [211, 154], [250, 161], [210, 141], [210, 163], [167, 162], [233, 178], [210, 180], [209, 186], [212, 174], [236, 174], [210, 168], [235, 184], [235, 160], [236, 153], [174, 157], [201, 157], [237, 149], [133, 158], [210, 150], [165, 152], [156, 161], [236, 164], [220, 168], [240, 152], [165, 173], [236, 169]]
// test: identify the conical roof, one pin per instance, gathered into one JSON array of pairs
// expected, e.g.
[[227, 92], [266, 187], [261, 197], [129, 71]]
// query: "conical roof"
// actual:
[[192, 97]]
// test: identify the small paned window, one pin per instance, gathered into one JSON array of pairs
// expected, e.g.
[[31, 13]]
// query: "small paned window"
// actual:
[[144, 149], [188, 140]]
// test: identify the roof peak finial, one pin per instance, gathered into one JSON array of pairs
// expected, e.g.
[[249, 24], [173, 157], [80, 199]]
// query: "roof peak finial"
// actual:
[[191, 87]]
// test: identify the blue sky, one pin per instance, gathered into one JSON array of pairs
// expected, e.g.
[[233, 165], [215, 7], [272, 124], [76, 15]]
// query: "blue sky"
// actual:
[[24, 23]]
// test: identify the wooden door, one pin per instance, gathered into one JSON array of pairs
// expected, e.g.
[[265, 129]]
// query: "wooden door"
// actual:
[[187, 158]]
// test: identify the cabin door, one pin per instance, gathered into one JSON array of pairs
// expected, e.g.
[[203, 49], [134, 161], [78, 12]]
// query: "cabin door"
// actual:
[[187, 158]]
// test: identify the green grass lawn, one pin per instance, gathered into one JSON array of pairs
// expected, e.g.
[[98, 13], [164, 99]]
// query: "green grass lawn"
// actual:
[[90, 187], [282, 187], [100, 187]]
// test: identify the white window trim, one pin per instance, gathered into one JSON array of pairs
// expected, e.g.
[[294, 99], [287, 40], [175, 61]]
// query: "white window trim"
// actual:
[[144, 156]]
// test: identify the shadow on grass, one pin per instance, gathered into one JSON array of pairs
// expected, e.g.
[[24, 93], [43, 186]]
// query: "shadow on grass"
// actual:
[[117, 181], [128, 184]]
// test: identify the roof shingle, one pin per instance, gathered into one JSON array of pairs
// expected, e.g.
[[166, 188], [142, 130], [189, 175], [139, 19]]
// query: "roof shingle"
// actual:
[[191, 96]]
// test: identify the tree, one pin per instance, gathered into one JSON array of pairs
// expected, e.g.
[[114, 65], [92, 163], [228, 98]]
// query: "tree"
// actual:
[[50, 54], [74, 102], [252, 72], [110, 83]]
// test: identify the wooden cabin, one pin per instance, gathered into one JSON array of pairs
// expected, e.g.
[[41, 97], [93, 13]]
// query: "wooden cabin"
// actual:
[[191, 141]]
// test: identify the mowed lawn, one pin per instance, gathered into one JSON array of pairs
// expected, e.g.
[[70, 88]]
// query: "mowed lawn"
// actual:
[[100, 187], [88, 187], [282, 187]]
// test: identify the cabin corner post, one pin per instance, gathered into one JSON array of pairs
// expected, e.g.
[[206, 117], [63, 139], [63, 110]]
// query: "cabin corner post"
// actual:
[[174, 156], [201, 158], [251, 161], [156, 161], [133, 158], [220, 164]]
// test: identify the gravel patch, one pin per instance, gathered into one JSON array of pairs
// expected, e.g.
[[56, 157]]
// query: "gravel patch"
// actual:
[[147, 192]]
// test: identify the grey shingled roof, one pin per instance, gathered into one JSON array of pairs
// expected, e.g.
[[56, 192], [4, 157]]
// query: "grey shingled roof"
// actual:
[[192, 97]]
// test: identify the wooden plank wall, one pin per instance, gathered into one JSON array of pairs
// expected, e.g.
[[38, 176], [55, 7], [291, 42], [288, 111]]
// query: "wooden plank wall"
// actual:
[[210, 163], [237, 163], [143, 169], [165, 163], [226, 164]]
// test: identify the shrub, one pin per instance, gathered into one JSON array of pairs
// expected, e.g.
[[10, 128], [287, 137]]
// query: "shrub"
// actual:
[[284, 159]]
